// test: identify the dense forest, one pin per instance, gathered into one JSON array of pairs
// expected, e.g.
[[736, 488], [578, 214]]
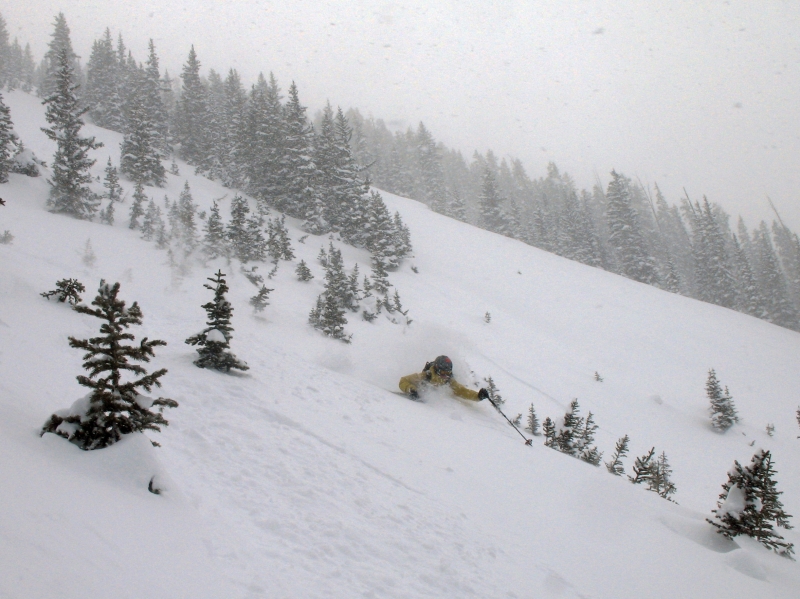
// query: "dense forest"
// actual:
[[319, 170]]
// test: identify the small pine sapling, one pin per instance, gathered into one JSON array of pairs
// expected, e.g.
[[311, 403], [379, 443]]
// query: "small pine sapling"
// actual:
[[749, 505], [615, 466], [322, 257], [549, 429], [173, 169], [659, 482], [586, 450], [113, 408], [771, 429], [487, 318], [214, 340], [723, 412], [798, 419], [261, 299], [67, 290], [533, 422], [494, 394], [106, 215], [642, 471], [303, 272], [597, 377], [274, 270], [6, 237], [517, 420]]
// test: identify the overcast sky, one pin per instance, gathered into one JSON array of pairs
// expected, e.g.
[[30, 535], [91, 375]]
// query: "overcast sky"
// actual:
[[703, 94]]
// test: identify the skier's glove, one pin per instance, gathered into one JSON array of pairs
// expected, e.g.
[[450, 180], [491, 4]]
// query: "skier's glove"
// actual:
[[413, 393], [483, 394]]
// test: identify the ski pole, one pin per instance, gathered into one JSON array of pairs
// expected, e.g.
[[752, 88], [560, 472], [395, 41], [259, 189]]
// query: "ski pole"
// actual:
[[527, 441]]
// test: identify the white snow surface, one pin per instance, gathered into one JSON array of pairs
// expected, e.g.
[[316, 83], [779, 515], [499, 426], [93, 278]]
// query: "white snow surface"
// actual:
[[306, 477]]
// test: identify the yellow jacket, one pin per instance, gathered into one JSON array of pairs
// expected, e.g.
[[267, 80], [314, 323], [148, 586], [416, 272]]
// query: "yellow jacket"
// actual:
[[414, 382]]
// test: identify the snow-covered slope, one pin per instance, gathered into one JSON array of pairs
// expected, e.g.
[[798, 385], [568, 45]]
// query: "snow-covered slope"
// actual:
[[306, 477]]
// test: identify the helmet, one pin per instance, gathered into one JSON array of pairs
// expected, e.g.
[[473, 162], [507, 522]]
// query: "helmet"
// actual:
[[443, 366]]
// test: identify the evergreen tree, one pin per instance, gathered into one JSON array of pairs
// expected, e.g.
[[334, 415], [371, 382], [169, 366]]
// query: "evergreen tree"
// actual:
[[492, 216], [53, 61], [642, 468], [106, 215], [329, 318], [237, 230], [714, 277], [143, 144], [186, 213], [748, 293], [215, 242], [297, 169], [152, 223], [778, 305], [303, 272], [8, 141], [533, 422], [260, 147], [69, 190], [549, 429], [258, 246], [114, 407], [280, 247], [137, 207], [380, 278], [625, 233], [749, 505], [659, 482], [430, 183], [214, 340], [151, 90], [191, 113], [67, 290], [620, 451], [111, 183], [723, 412], [260, 300], [494, 394], [103, 85]]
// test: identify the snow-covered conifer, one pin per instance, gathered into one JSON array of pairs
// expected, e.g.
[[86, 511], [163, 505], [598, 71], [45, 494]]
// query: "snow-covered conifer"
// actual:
[[102, 93], [142, 146], [749, 505], [280, 247], [191, 113], [723, 412], [214, 341], [237, 230], [106, 215], [215, 242], [114, 407], [549, 430], [261, 299], [659, 482], [186, 212], [89, 257], [328, 317], [69, 187], [111, 183], [152, 222], [60, 43], [303, 272], [533, 422], [67, 290], [8, 141], [620, 451], [258, 246], [137, 207]]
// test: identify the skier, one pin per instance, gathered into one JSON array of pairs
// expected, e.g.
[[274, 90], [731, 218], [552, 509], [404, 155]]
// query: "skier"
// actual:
[[438, 373]]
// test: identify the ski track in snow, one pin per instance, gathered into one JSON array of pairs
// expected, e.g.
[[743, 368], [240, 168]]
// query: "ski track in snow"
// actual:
[[305, 477]]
